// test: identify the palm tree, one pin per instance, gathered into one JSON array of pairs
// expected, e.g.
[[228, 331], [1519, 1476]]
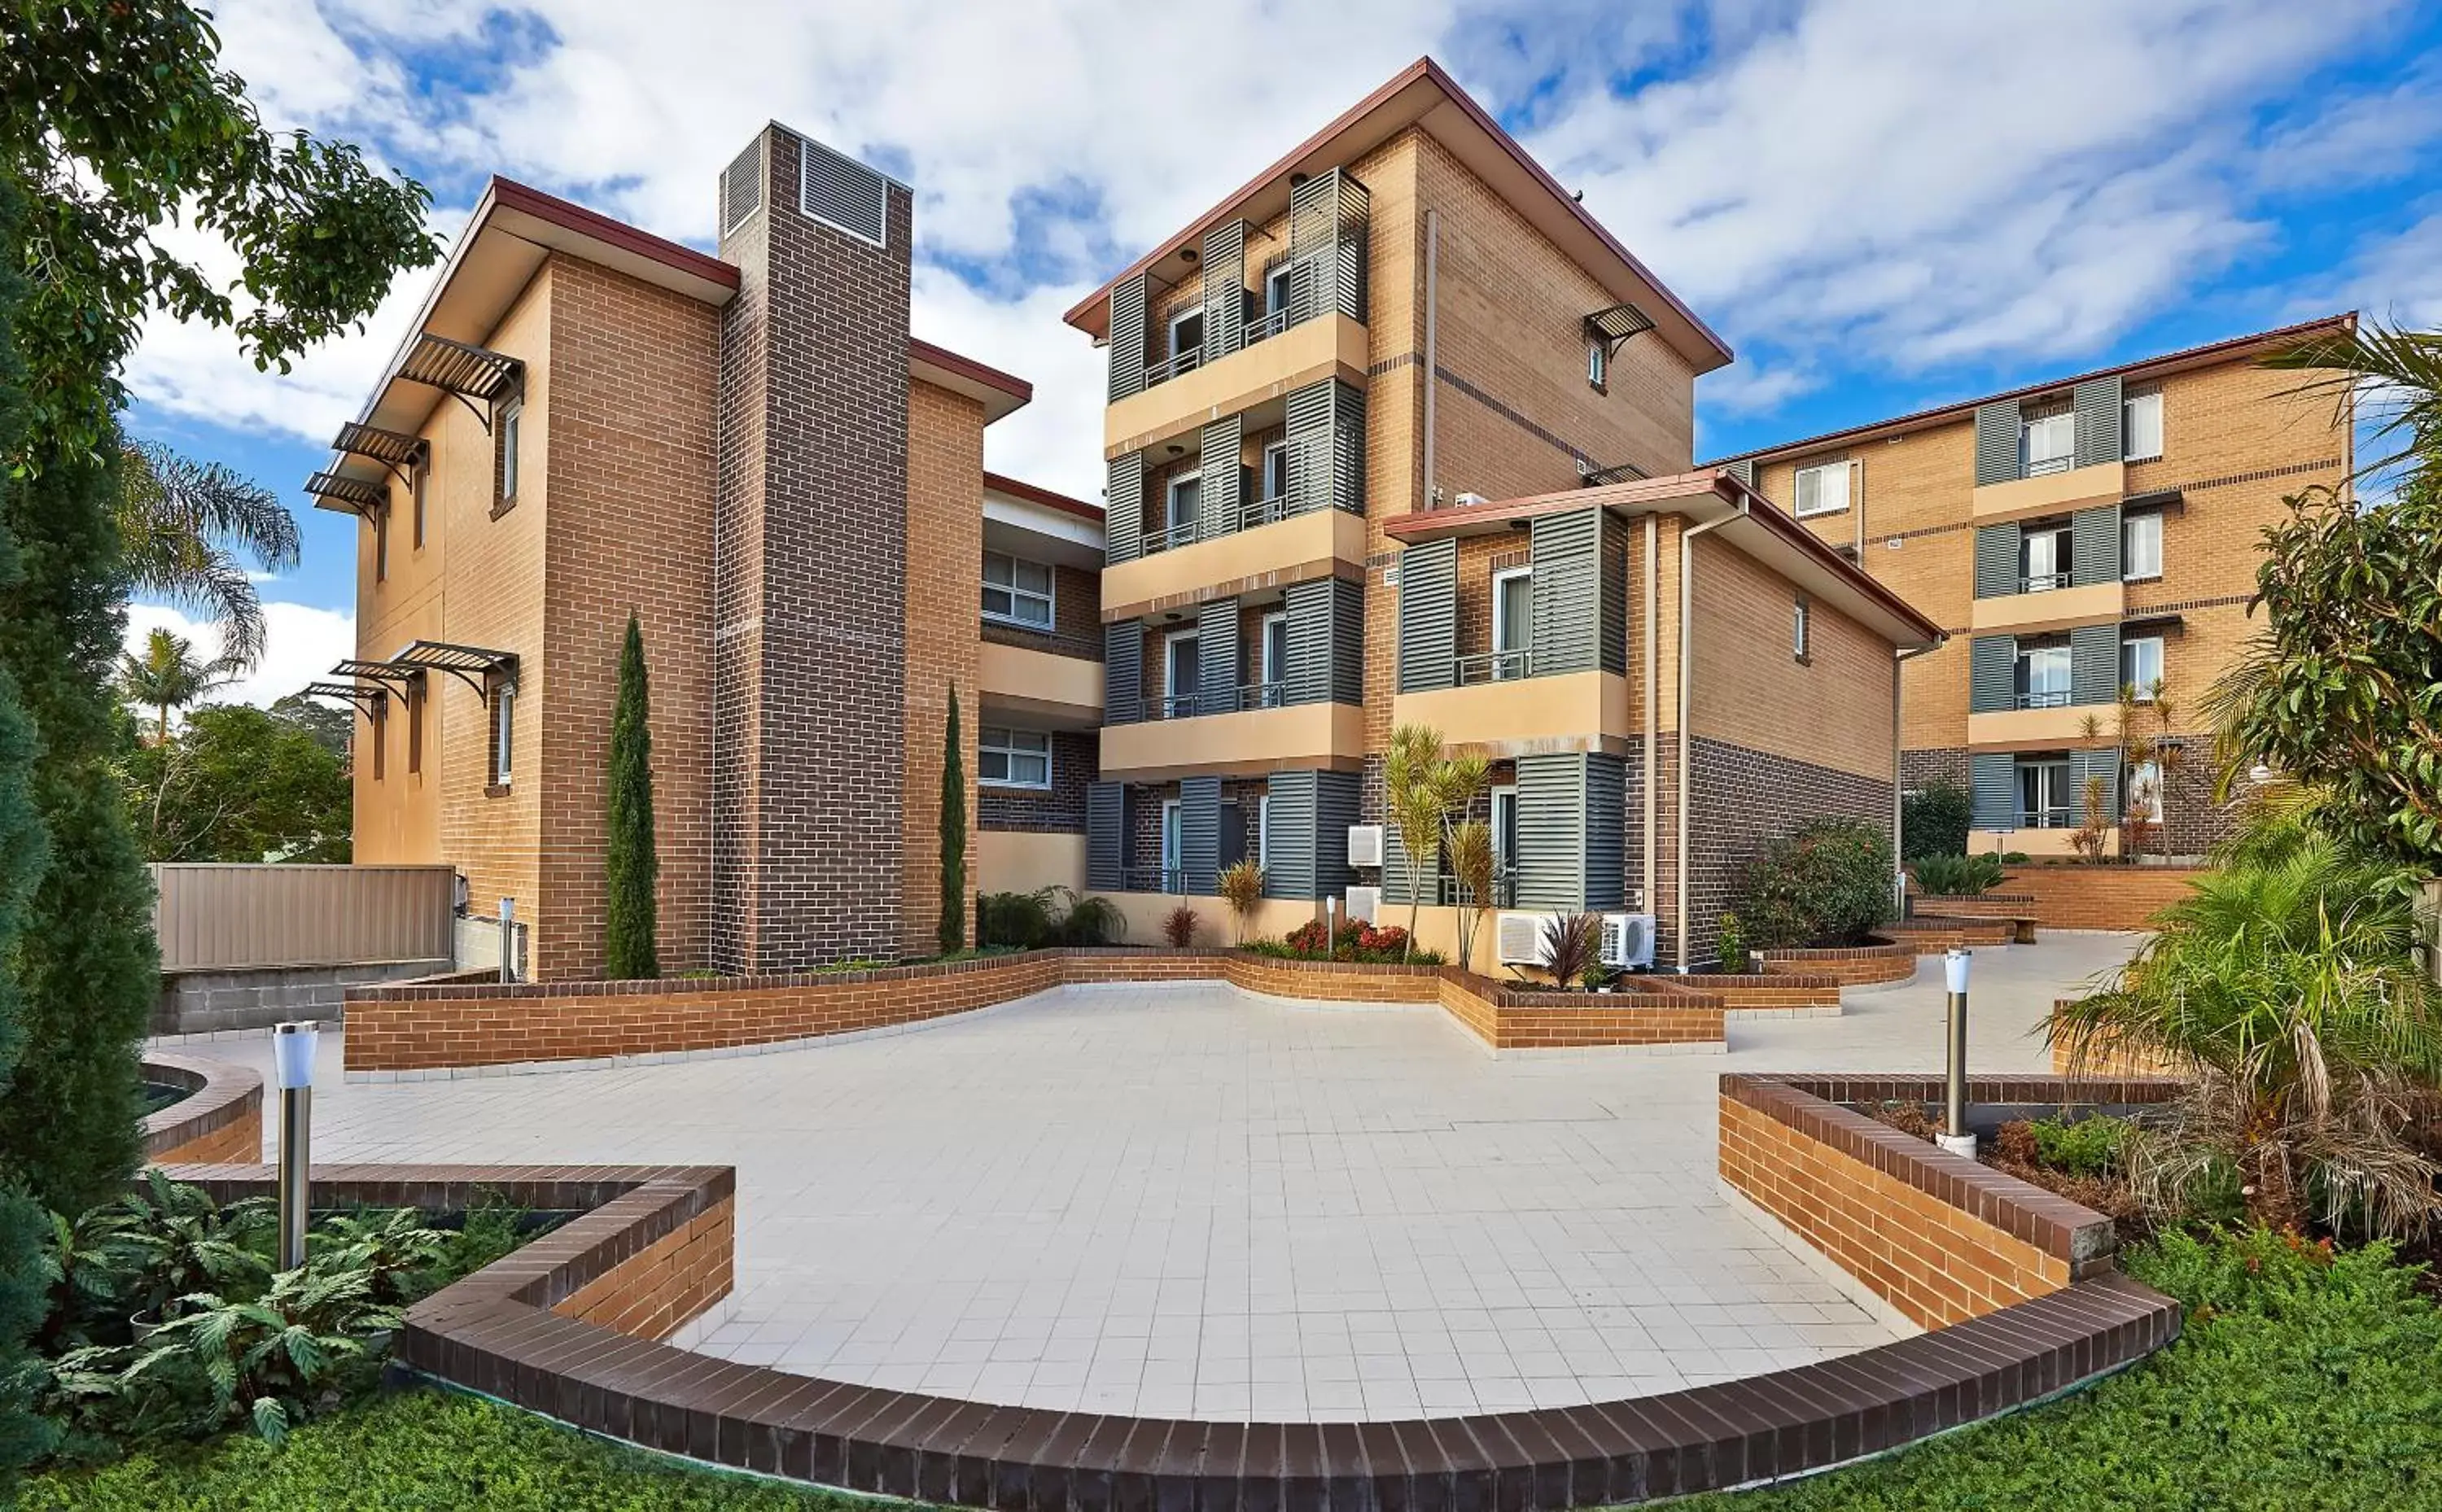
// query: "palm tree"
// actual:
[[168, 676], [1423, 793], [188, 529], [2383, 378]]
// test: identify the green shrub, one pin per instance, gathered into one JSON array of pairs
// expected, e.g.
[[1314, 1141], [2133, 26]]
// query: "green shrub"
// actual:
[[1049, 916], [1934, 820], [1091, 920], [1827, 884], [1957, 876], [2082, 1147], [1733, 946]]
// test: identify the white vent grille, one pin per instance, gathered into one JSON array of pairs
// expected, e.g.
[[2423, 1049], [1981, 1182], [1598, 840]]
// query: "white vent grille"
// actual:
[[1518, 939], [1365, 845], [844, 194], [741, 187], [1365, 904]]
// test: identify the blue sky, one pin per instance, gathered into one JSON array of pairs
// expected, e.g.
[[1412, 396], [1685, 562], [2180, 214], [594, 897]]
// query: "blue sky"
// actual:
[[1882, 203]]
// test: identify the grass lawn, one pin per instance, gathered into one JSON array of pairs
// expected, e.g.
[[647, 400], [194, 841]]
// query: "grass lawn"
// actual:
[[2301, 1383]]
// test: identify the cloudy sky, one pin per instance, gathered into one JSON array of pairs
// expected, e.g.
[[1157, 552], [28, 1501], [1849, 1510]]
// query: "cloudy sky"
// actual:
[[1881, 204]]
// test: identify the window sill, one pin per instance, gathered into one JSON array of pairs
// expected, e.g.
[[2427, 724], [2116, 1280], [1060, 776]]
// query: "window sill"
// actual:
[[504, 507], [2150, 578], [1005, 623], [496, 790], [1817, 514], [1014, 786]]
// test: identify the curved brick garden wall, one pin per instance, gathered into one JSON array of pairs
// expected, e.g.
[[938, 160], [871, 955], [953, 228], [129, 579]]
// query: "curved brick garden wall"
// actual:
[[220, 1118], [1851, 965]]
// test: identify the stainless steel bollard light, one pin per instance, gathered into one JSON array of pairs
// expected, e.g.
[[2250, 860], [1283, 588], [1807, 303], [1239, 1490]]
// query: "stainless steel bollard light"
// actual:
[[292, 1058], [1955, 1138], [508, 940]]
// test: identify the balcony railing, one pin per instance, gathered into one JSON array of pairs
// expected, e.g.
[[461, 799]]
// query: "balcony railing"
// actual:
[[1450, 894], [1265, 327], [1493, 666], [1273, 694], [2046, 467], [2045, 699], [1186, 533], [1181, 363], [2042, 582], [2056, 818]]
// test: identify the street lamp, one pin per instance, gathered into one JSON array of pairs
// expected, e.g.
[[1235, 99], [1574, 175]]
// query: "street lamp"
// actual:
[[292, 1058], [1956, 1138]]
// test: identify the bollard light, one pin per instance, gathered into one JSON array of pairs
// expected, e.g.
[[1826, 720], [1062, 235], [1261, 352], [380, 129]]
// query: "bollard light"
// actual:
[[1955, 1136], [508, 940], [292, 1065]]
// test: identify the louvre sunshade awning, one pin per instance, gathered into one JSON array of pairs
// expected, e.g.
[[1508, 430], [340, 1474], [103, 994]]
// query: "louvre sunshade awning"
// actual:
[[365, 696], [1617, 324], [1621, 473], [389, 447], [470, 665], [379, 672], [457, 367], [354, 495]]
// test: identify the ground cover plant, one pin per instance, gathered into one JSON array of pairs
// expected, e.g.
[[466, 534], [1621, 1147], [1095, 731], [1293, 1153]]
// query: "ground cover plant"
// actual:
[[1356, 940], [1957, 876]]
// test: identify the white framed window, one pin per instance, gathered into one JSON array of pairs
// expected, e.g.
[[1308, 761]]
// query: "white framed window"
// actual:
[[2140, 664], [1186, 330], [1276, 289], [1180, 498], [2141, 545], [503, 731], [2145, 790], [1505, 827], [511, 421], [1181, 668], [1017, 591], [1014, 759], [1276, 470], [1822, 489], [2140, 427], [420, 485], [1275, 659], [2044, 797], [2043, 676], [1597, 364], [2043, 555], [1172, 880], [2049, 444], [1513, 622], [1801, 629]]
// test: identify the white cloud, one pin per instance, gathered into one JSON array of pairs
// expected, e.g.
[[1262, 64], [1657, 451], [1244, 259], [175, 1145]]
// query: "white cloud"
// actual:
[[301, 643], [2398, 279]]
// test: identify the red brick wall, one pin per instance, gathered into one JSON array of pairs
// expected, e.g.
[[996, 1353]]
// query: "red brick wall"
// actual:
[[652, 1292], [237, 1142], [2098, 896], [1510, 1020], [1854, 966]]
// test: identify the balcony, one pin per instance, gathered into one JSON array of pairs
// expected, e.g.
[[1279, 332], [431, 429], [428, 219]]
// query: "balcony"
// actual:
[[1192, 389], [2044, 721], [1257, 732], [2055, 491], [1041, 688], [1497, 715], [2046, 602], [1275, 548]]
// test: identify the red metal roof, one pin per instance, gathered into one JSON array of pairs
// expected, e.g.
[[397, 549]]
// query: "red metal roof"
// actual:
[[1004, 483]]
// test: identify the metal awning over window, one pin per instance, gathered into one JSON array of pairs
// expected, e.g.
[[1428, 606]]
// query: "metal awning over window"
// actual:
[[365, 696], [393, 450], [471, 664], [2170, 626], [470, 373], [2164, 500], [1625, 472], [352, 494], [1612, 326], [377, 671]]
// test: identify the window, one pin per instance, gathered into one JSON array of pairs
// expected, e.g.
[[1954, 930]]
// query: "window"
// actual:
[[2049, 444], [1276, 659], [1184, 493], [1017, 591], [2140, 664], [1186, 332], [419, 485], [2043, 793], [2043, 555], [1276, 470], [2141, 545], [1014, 759], [1513, 623], [2145, 790], [1801, 629], [503, 733], [415, 723], [1597, 365], [2043, 674], [1504, 828], [1822, 489], [1276, 289], [1181, 668], [381, 544], [1263, 831], [1173, 878], [2140, 427], [377, 732], [511, 421]]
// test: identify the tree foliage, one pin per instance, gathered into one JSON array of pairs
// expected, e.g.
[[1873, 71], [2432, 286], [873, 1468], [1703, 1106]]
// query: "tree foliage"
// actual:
[[190, 529], [630, 863], [1826, 885], [237, 783], [1934, 820], [1424, 793], [168, 675]]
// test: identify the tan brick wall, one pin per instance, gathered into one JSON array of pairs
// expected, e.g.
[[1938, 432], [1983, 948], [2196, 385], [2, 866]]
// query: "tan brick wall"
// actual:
[[654, 1293], [945, 490], [2098, 896], [1855, 966], [633, 459], [1832, 710], [238, 1141], [1936, 1263]]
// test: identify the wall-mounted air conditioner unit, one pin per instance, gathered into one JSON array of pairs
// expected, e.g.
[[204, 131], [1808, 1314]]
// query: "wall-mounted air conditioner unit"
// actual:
[[1628, 942], [1518, 939], [1364, 904], [1365, 845], [1467, 498]]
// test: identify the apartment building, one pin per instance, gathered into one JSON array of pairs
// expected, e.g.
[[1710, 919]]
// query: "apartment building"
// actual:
[[2076, 538], [1398, 432], [751, 452]]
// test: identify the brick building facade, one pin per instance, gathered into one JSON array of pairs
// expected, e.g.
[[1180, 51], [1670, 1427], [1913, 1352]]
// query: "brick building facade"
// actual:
[[2075, 538], [751, 453], [1399, 433]]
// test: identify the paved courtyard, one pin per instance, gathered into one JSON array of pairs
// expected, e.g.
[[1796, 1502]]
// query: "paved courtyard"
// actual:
[[1185, 1202]]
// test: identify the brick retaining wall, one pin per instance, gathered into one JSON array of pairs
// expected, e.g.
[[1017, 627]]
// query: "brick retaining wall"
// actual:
[[1510, 1019], [2098, 897], [219, 1119], [1852, 965]]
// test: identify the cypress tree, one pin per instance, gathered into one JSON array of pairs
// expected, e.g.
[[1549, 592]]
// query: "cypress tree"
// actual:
[[954, 834], [629, 861]]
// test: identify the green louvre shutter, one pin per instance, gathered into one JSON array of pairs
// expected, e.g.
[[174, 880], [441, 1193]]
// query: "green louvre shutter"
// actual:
[[1996, 441], [1328, 217], [1123, 672], [1395, 869], [1566, 551], [1427, 615], [1571, 826], [1200, 835], [1216, 656], [1124, 497], [1225, 289], [1106, 831], [1127, 337], [2094, 543], [1997, 559], [2096, 403], [1221, 479], [2103, 764], [1993, 787], [1336, 796], [1992, 674], [1325, 424], [1289, 835], [1326, 629], [2094, 663]]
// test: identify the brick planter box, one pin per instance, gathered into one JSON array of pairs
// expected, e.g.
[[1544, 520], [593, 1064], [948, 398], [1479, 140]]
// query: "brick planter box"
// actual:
[[1762, 993], [2122, 898], [220, 1118], [1930, 932], [1851, 965], [1513, 1020]]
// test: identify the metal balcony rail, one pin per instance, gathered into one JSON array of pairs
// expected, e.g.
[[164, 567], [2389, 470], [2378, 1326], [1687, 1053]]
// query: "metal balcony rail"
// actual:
[[1176, 706], [2054, 818], [2045, 699], [1450, 894], [1271, 694], [1278, 507], [2042, 582], [2045, 466], [1493, 666], [1183, 362], [1265, 327], [1186, 533]]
